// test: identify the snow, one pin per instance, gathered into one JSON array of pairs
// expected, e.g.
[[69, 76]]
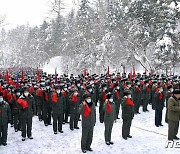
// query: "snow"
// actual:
[[45, 142], [165, 41], [55, 62]]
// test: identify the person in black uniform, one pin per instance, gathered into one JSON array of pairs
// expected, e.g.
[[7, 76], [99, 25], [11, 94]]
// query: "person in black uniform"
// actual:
[[5, 118], [27, 110]]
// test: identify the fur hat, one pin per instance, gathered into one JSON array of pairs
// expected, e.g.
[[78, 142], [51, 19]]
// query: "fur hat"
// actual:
[[176, 91]]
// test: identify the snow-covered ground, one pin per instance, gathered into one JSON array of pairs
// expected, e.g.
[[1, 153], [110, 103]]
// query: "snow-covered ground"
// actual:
[[45, 142]]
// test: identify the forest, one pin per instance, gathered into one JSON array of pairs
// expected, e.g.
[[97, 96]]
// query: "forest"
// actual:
[[98, 34]]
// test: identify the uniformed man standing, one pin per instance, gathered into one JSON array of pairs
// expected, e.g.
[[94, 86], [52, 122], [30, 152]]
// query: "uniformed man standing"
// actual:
[[74, 109], [137, 97], [16, 110], [146, 96], [117, 99], [88, 112], [47, 106], [5, 117], [127, 114], [28, 109], [168, 95], [102, 98], [159, 105], [173, 115], [57, 109], [109, 117], [40, 99]]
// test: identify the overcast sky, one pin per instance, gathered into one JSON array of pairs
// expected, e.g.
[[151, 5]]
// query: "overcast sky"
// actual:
[[22, 11]]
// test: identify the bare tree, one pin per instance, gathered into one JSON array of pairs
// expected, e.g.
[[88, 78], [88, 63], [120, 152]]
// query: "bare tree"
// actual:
[[57, 8]]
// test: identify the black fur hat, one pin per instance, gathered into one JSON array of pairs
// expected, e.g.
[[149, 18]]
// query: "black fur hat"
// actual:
[[176, 91], [108, 95]]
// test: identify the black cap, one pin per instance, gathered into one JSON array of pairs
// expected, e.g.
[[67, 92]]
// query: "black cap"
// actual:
[[17, 90], [26, 88], [108, 95], [57, 87], [126, 92], [116, 84], [169, 86], [86, 96], [103, 85], [88, 87], [176, 91]]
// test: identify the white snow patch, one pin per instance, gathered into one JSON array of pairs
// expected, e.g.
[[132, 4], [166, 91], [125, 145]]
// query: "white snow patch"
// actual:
[[55, 62]]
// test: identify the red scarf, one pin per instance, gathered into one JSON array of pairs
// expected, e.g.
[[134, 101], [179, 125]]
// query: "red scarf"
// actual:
[[23, 103], [54, 97], [142, 82], [156, 90], [64, 93], [15, 97], [104, 96], [138, 89], [165, 86], [150, 83], [129, 102], [112, 86], [74, 98], [87, 111], [39, 93], [117, 95], [109, 108], [147, 89], [9, 96], [0, 88], [46, 98], [5, 92], [160, 96], [31, 90]]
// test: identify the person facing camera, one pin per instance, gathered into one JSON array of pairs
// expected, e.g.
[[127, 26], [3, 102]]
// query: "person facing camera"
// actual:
[[88, 112], [5, 117], [127, 114], [109, 117], [173, 115]]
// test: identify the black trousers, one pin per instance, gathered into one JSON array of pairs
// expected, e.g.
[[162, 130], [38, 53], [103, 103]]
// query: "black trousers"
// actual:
[[137, 105], [12, 117], [66, 115], [47, 115], [26, 126], [158, 117], [101, 116], [145, 104], [3, 132], [74, 120], [57, 121], [117, 108], [108, 130], [40, 112], [173, 127], [126, 127], [166, 116], [16, 121], [87, 136]]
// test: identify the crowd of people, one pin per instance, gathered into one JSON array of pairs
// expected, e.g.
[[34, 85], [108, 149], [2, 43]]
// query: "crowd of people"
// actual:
[[61, 100]]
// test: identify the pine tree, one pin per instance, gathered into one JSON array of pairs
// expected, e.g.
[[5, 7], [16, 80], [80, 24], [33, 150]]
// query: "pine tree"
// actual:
[[168, 47]]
